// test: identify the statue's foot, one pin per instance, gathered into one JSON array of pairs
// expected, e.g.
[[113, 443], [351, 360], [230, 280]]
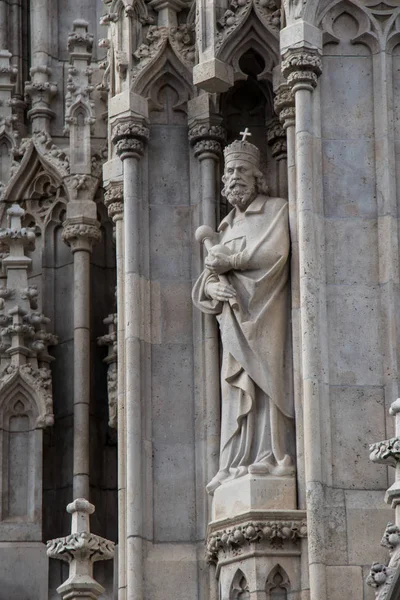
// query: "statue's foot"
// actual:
[[241, 471], [232, 474], [284, 467], [263, 467], [217, 481]]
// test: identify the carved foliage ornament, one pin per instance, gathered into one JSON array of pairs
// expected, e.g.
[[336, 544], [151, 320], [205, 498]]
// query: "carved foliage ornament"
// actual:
[[181, 39], [386, 452], [276, 138], [110, 340], [129, 138], [234, 538], [302, 69], [207, 138], [267, 11], [74, 231], [80, 546], [381, 577], [284, 106], [114, 200]]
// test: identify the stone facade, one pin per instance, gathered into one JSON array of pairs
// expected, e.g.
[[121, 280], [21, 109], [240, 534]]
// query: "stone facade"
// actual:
[[114, 118]]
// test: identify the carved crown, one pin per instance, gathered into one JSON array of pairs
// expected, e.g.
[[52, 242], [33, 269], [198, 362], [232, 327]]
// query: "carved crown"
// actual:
[[242, 150]]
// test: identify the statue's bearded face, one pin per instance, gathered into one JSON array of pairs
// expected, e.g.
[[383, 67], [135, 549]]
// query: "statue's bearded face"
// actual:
[[240, 183]]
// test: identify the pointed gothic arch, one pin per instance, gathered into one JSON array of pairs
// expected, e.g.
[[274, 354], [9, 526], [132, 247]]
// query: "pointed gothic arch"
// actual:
[[277, 585], [239, 589]]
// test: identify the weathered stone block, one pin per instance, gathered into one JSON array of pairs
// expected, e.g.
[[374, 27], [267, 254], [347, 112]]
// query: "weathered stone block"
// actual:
[[358, 419], [253, 492], [23, 571], [344, 582], [367, 517]]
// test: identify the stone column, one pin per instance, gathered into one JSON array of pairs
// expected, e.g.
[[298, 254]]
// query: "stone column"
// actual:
[[81, 234], [81, 548], [130, 136], [3, 25], [301, 67], [207, 140], [114, 200], [40, 90], [285, 109]]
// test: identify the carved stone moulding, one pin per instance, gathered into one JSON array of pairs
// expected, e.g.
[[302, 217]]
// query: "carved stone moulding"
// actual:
[[302, 68], [255, 533], [284, 106], [81, 235], [276, 138], [386, 452], [206, 138], [129, 138], [114, 200]]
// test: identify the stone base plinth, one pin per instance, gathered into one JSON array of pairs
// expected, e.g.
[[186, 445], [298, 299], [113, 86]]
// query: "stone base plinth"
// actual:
[[253, 492], [24, 571]]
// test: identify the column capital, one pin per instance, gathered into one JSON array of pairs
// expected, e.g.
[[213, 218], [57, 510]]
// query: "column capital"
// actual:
[[206, 134], [284, 105], [276, 138], [81, 234], [114, 200], [130, 137], [207, 139], [301, 67]]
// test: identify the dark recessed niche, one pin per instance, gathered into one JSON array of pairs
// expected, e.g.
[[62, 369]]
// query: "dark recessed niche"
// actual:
[[251, 63]]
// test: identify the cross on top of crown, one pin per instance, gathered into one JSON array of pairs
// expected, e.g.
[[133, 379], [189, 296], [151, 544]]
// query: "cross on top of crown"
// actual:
[[246, 133]]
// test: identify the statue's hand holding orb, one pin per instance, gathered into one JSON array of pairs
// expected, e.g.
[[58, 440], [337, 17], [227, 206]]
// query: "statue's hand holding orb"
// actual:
[[218, 260]]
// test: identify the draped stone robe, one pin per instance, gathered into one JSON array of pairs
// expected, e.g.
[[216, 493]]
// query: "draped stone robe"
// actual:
[[253, 333]]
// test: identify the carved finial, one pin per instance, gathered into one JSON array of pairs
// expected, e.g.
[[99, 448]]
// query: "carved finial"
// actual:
[[246, 133]]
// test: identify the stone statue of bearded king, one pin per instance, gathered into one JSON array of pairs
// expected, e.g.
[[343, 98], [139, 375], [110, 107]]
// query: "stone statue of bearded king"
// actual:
[[245, 284]]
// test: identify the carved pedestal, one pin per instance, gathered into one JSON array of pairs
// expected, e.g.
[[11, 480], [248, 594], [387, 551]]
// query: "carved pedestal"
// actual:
[[257, 553], [80, 549], [253, 492]]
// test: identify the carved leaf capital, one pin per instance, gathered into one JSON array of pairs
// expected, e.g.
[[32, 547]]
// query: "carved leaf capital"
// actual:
[[81, 235], [302, 68], [386, 452], [129, 138], [232, 539], [82, 546]]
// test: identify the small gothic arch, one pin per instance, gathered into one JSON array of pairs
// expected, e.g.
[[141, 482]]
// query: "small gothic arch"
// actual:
[[169, 93], [251, 34], [361, 27], [6, 145], [23, 382], [277, 585], [22, 180], [18, 402], [165, 62], [239, 587], [20, 454], [79, 121]]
